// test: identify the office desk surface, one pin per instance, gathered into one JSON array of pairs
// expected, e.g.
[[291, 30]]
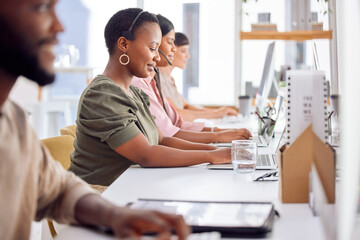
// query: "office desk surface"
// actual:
[[199, 183]]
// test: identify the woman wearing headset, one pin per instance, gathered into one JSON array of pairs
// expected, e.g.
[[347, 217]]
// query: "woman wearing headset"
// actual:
[[166, 117], [186, 110], [115, 127]]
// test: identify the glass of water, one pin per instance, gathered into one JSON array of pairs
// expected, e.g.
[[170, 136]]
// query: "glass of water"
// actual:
[[243, 155]]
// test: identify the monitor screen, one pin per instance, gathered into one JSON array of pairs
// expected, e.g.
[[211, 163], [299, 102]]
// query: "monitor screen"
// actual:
[[267, 77]]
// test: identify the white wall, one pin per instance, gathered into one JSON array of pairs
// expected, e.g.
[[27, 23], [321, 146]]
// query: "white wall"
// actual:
[[216, 65], [100, 13]]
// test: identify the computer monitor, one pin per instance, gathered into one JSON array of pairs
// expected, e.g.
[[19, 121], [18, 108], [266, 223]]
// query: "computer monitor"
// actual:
[[266, 79]]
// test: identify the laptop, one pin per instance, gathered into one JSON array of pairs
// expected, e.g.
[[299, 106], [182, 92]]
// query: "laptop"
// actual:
[[267, 131], [262, 140], [263, 162]]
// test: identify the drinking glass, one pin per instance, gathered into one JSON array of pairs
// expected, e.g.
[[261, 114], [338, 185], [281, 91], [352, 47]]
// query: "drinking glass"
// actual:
[[243, 155]]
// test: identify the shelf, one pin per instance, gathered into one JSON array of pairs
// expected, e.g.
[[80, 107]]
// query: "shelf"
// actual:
[[76, 69], [293, 35]]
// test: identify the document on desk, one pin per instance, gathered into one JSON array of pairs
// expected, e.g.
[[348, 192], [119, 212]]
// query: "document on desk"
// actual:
[[306, 104], [228, 218]]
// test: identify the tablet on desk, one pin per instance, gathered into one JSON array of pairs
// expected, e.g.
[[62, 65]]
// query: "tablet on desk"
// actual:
[[228, 218]]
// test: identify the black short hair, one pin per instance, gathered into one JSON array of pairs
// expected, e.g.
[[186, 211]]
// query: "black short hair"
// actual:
[[165, 24], [181, 39], [121, 21]]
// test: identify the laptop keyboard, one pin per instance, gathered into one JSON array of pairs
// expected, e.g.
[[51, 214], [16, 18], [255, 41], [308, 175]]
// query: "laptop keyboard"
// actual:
[[263, 160]]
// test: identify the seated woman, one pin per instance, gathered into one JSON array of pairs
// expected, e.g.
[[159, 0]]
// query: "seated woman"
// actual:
[[166, 117], [173, 125], [115, 128], [186, 110]]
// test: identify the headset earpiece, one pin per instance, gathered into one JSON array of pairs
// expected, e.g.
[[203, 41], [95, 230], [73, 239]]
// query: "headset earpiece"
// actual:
[[128, 34]]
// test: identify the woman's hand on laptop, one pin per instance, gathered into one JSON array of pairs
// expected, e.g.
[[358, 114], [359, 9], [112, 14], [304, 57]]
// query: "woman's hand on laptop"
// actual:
[[235, 134]]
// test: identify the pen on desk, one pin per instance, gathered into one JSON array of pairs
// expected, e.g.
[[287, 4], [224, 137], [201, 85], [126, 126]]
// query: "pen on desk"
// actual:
[[259, 117], [268, 174]]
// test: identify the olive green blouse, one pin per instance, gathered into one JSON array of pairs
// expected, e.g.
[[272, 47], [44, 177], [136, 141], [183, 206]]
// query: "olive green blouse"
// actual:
[[107, 118]]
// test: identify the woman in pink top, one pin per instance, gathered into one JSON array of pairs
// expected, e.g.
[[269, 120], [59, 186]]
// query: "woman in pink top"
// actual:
[[169, 121], [178, 127]]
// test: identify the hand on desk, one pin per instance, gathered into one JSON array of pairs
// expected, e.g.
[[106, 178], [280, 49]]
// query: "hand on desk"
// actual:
[[130, 223], [235, 134], [220, 156], [225, 111]]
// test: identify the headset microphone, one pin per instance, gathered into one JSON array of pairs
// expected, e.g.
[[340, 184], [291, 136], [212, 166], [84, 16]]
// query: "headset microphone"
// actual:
[[165, 57]]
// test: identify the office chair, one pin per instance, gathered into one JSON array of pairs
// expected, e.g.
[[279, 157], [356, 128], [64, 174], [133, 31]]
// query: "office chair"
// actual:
[[60, 148], [69, 130]]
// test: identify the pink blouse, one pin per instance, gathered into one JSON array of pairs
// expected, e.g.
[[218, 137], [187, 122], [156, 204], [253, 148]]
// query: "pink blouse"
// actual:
[[171, 122]]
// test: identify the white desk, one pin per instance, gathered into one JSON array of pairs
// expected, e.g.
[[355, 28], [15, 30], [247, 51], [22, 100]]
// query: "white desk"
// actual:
[[199, 183]]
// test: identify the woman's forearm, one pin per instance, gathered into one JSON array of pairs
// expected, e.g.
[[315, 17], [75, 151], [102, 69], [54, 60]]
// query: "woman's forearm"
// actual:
[[198, 137], [191, 115], [194, 108], [162, 156], [214, 137], [185, 145], [139, 151], [215, 129]]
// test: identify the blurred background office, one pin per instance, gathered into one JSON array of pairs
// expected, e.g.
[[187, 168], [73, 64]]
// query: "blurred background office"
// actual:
[[217, 72]]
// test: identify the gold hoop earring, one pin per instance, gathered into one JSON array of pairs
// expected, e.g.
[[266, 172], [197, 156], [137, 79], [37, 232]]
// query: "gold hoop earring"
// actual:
[[124, 55]]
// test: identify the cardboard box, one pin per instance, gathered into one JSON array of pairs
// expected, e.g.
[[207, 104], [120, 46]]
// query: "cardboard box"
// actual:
[[295, 164]]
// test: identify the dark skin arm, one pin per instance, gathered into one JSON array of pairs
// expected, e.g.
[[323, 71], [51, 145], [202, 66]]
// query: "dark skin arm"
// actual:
[[140, 151], [212, 137], [93, 210], [178, 143], [171, 152]]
